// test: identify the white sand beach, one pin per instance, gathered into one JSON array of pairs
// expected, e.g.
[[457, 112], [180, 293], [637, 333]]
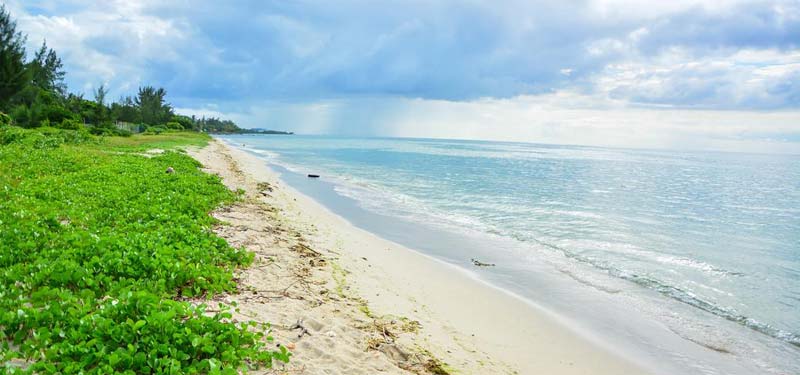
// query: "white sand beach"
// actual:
[[349, 302]]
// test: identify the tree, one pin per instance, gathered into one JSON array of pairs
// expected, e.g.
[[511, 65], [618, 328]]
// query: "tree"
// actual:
[[213, 124], [152, 106], [125, 110], [100, 95], [100, 99], [47, 71], [13, 73], [185, 121]]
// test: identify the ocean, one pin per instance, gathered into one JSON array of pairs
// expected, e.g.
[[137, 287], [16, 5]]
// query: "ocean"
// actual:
[[690, 260]]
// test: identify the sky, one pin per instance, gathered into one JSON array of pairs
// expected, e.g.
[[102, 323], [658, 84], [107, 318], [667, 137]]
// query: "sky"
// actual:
[[683, 74]]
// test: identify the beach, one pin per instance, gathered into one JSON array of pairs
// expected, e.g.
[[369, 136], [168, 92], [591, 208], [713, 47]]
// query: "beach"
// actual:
[[350, 302], [475, 187]]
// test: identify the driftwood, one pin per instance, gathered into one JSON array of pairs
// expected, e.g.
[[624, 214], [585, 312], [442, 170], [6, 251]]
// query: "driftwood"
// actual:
[[313, 175], [299, 325], [305, 251]]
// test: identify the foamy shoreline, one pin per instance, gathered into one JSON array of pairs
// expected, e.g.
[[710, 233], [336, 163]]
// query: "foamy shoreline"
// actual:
[[469, 325]]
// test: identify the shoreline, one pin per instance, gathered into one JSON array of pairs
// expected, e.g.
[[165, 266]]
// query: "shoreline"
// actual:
[[470, 325]]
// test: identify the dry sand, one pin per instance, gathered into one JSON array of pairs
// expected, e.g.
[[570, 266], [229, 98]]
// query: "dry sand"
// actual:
[[349, 302]]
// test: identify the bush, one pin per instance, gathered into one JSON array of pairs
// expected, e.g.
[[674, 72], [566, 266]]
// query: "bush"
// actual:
[[110, 132], [58, 114], [69, 123], [42, 138], [174, 125], [102, 130], [5, 120], [22, 116], [11, 134], [155, 129], [185, 121]]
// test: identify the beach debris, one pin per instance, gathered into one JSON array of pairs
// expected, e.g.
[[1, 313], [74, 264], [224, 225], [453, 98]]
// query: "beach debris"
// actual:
[[303, 330], [170, 170], [290, 346], [305, 251], [331, 334], [313, 175], [481, 264], [264, 186], [317, 262]]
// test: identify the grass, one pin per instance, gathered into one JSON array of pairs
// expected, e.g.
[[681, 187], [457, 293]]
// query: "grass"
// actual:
[[168, 140], [99, 251]]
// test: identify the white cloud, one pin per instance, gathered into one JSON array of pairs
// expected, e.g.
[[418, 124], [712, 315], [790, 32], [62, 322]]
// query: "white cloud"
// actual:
[[736, 79], [106, 41]]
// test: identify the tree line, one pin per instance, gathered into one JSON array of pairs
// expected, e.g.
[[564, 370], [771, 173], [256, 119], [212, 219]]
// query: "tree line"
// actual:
[[33, 93]]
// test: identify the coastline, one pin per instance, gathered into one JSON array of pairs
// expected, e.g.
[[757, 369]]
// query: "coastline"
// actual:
[[468, 325]]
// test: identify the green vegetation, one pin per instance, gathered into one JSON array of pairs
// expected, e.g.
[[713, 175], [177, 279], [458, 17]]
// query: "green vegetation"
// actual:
[[144, 142], [105, 258], [33, 94], [100, 250]]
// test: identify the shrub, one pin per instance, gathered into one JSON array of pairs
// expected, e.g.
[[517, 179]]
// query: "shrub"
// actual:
[[174, 125], [5, 120], [155, 129], [110, 131], [22, 116], [101, 130], [42, 138], [185, 121], [11, 134], [69, 123], [57, 114]]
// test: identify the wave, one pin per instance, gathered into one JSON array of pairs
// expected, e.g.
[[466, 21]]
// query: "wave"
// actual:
[[374, 198], [401, 203], [681, 295]]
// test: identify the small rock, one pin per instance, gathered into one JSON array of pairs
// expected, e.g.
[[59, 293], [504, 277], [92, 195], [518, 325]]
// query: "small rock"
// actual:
[[170, 170], [290, 346], [331, 334]]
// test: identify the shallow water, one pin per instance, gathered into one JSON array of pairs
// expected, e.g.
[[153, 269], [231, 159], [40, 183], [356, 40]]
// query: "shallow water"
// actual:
[[702, 246]]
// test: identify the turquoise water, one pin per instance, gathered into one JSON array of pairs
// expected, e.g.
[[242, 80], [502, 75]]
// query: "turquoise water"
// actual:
[[717, 232]]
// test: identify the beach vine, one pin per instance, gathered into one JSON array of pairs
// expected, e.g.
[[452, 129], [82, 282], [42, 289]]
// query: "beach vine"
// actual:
[[106, 260]]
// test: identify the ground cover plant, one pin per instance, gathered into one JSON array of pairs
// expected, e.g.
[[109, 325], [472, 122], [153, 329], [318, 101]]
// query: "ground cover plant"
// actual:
[[100, 248]]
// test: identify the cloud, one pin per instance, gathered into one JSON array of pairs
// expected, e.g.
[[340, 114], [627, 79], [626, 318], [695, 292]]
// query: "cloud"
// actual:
[[744, 79], [450, 50], [544, 70]]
